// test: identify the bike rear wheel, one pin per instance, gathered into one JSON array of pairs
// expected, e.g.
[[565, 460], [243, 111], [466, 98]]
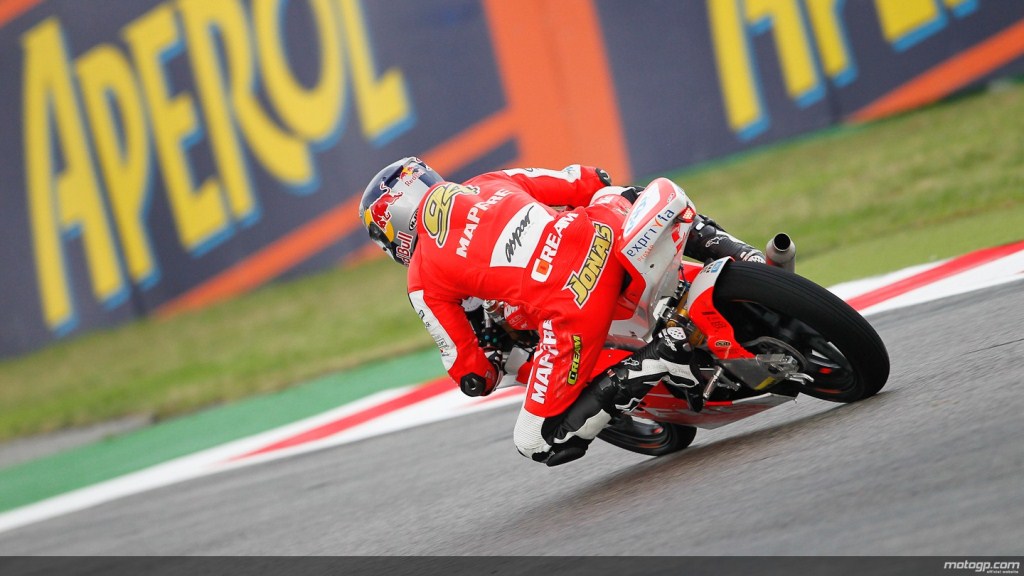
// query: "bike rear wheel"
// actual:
[[843, 352]]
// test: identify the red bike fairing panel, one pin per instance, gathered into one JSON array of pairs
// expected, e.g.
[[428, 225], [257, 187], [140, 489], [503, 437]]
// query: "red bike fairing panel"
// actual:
[[719, 333]]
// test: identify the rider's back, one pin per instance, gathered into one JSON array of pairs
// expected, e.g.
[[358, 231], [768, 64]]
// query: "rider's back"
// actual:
[[492, 239]]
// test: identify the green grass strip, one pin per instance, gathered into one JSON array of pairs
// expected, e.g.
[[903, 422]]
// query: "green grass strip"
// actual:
[[124, 454]]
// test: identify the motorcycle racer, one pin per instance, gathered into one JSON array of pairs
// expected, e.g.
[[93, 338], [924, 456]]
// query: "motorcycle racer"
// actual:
[[540, 242]]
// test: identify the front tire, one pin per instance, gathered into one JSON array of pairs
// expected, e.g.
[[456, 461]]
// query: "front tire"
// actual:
[[844, 353]]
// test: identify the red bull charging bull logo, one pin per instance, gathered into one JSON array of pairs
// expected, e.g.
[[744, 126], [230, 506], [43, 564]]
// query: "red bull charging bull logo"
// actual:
[[409, 174], [379, 212]]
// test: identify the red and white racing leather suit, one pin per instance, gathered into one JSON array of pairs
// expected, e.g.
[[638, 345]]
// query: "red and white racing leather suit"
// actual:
[[496, 237]]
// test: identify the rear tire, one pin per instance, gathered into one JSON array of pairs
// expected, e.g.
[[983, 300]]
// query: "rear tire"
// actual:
[[846, 357]]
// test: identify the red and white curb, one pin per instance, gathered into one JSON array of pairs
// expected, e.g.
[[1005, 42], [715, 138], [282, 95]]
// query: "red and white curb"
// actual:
[[440, 399], [967, 273]]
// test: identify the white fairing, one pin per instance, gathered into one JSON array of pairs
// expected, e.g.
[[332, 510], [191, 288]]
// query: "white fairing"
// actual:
[[654, 234]]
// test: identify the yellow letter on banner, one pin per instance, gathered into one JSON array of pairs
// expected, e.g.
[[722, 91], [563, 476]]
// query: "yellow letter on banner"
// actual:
[[905, 22], [732, 24], [106, 79], [383, 103], [286, 157], [743, 108], [68, 202], [831, 38], [312, 113], [198, 213], [201, 18], [796, 53]]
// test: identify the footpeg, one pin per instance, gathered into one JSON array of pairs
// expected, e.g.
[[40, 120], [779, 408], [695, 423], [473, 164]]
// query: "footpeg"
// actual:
[[718, 379]]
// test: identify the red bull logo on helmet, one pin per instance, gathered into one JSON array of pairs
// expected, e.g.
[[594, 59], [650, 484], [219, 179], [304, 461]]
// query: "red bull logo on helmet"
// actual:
[[379, 212], [404, 249], [409, 174]]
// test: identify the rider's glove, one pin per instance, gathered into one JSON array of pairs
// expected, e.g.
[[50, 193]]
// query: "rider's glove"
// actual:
[[474, 384]]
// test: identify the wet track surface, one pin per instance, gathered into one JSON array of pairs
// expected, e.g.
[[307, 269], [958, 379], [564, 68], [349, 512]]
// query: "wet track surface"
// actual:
[[930, 466]]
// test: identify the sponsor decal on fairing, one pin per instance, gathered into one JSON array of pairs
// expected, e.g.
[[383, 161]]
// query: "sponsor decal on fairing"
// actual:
[[640, 246]]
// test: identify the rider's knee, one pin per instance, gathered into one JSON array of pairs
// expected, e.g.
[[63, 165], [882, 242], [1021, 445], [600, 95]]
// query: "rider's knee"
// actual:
[[528, 437]]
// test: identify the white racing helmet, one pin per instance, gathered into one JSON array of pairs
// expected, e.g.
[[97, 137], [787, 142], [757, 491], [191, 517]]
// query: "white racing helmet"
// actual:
[[389, 204]]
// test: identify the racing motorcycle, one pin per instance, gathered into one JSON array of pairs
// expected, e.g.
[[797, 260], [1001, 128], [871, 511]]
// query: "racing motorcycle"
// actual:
[[760, 334]]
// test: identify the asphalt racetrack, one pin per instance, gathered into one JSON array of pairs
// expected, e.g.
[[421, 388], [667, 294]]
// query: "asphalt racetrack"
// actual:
[[930, 466]]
